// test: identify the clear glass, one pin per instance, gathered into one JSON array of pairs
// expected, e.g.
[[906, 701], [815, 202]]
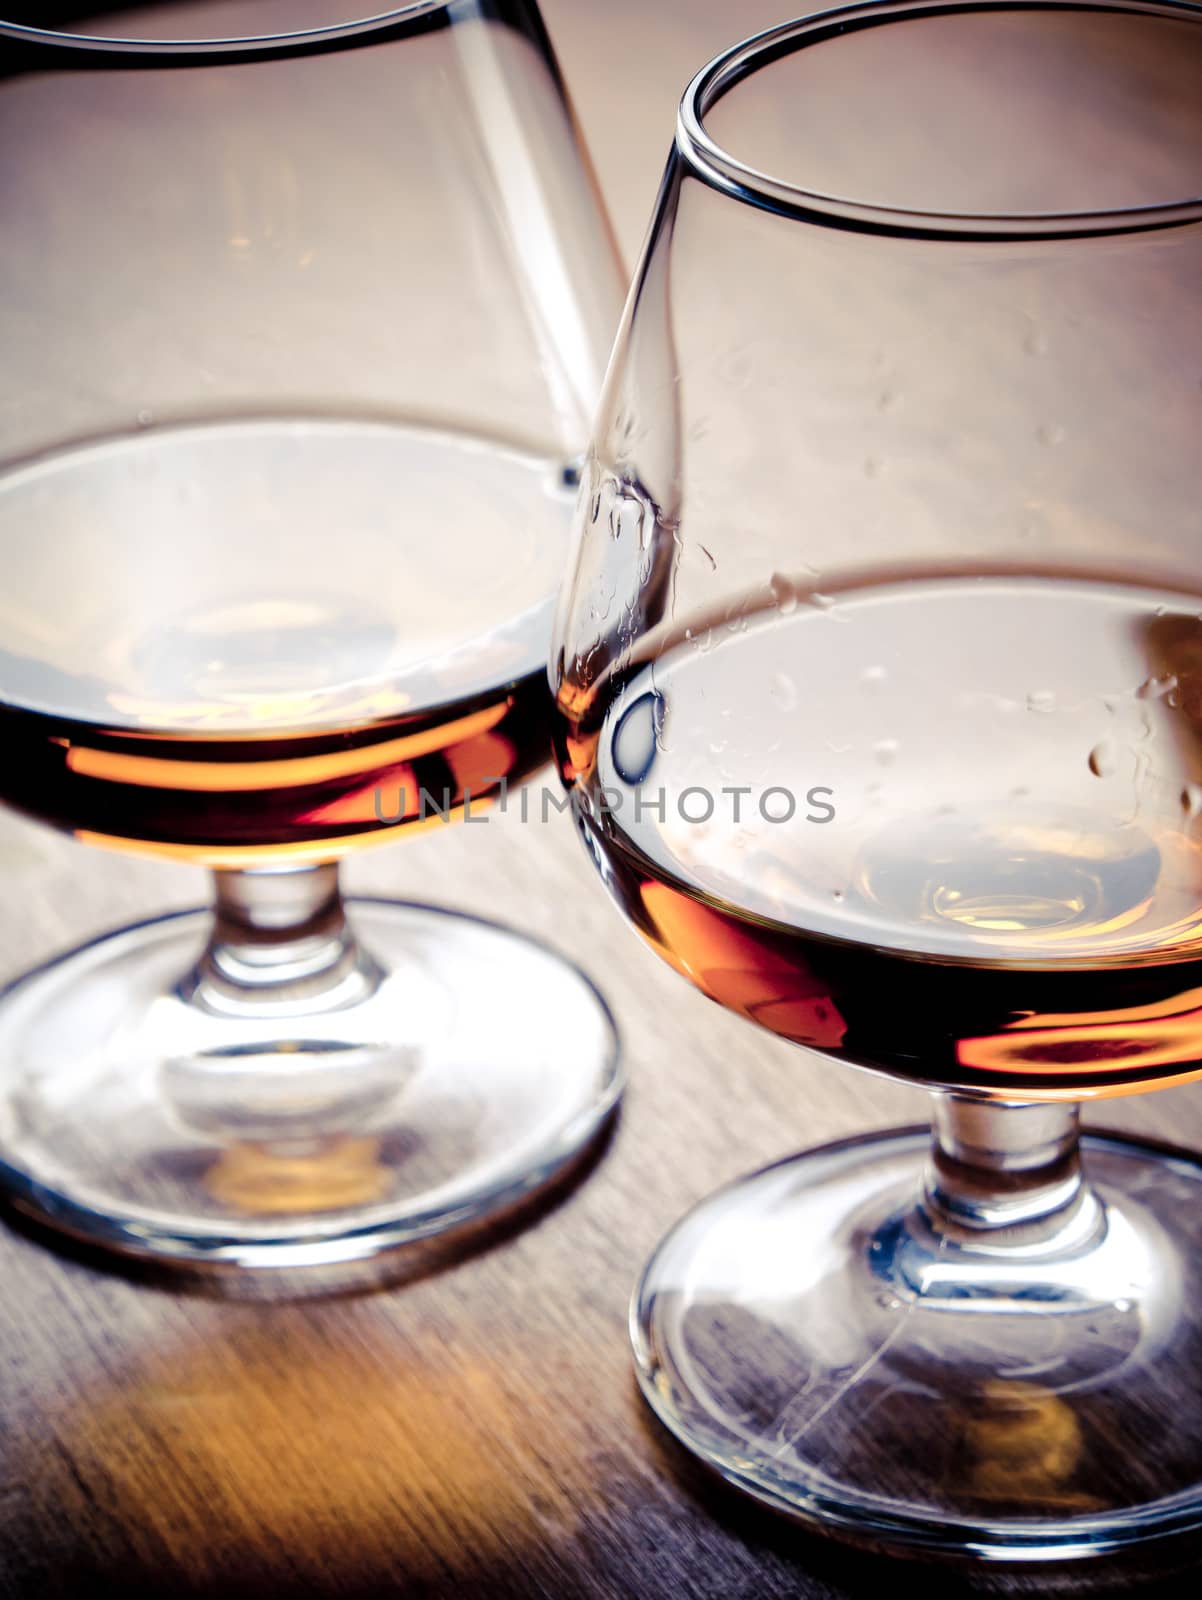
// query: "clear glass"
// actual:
[[304, 316], [879, 675]]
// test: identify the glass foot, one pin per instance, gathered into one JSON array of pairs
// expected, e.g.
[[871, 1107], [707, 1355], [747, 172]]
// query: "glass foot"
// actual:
[[444, 1070], [808, 1335]]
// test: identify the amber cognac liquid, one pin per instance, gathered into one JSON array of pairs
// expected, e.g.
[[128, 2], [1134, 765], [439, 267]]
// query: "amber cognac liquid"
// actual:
[[237, 643], [949, 828]]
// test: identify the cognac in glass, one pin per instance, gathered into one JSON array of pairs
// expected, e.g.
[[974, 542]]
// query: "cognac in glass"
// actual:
[[880, 685], [303, 318]]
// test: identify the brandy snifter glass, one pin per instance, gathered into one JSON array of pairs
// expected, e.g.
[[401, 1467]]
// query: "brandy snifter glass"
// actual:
[[303, 317], [879, 676]]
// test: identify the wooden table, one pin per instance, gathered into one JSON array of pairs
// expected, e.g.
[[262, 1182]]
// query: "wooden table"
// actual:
[[472, 1428]]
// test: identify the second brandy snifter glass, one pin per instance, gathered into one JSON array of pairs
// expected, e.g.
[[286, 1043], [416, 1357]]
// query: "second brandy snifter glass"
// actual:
[[880, 688], [303, 318]]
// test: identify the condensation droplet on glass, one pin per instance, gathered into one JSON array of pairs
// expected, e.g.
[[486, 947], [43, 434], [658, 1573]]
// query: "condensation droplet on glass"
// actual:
[[887, 399], [836, 894], [1103, 760], [734, 368], [1156, 688], [783, 593], [1020, 792], [1191, 800], [784, 691], [885, 751], [824, 602], [145, 418], [636, 738], [1042, 700], [873, 677], [1035, 343], [872, 467], [1050, 433]]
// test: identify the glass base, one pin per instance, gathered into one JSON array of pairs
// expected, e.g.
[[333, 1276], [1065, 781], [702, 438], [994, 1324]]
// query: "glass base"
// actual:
[[136, 1114], [806, 1335]]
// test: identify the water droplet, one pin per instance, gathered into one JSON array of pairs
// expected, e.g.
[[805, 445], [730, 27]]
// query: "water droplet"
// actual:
[[873, 677], [1191, 800], [145, 418], [1156, 688], [872, 467], [1020, 793], [784, 691], [836, 894], [1050, 433], [734, 368], [1041, 700], [637, 736], [1103, 760], [1035, 343], [717, 746], [887, 399], [824, 602], [1122, 1305], [783, 592], [885, 751]]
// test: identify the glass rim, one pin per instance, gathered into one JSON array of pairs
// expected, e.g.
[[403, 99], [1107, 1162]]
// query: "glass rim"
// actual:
[[721, 170], [333, 33]]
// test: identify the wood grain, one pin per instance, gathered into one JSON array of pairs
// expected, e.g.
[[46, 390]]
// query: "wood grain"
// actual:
[[470, 1427]]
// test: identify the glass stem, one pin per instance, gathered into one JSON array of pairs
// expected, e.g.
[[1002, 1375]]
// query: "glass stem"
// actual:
[[280, 941], [999, 1165], [1003, 1210]]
